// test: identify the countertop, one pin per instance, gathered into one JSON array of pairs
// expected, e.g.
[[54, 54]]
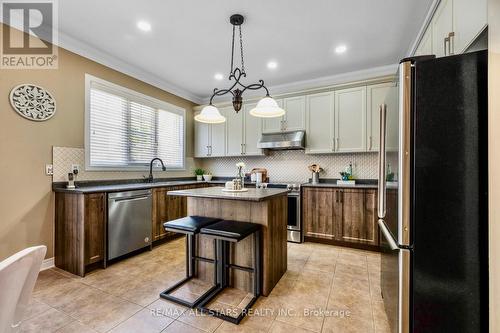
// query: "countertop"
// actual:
[[362, 183], [127, 186], [330, 182], [216, 193]]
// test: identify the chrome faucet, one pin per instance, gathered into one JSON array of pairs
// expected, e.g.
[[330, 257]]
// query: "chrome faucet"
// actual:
[[150, 177]]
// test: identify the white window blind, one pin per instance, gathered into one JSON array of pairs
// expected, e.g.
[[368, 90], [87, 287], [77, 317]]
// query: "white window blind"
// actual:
[[126, 129]]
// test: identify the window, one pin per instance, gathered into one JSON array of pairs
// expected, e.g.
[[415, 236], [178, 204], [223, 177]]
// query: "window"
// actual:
[[126, 129]]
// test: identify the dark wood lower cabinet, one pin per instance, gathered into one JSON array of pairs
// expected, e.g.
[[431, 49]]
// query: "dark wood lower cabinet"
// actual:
[[346, 216], [167, 208], [80, 231]]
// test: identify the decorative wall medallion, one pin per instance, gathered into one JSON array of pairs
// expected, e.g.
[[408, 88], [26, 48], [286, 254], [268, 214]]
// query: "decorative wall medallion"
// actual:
[[33, 102]]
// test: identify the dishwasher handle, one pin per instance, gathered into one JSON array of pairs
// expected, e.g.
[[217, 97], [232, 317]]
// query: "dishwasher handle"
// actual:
[[133, 198]]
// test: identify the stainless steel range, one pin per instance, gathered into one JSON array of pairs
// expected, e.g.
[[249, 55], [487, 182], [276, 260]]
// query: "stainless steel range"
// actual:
[[294, 225]]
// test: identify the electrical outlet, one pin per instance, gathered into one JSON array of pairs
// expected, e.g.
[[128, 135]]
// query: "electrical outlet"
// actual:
[[75, 168], [49, 169]]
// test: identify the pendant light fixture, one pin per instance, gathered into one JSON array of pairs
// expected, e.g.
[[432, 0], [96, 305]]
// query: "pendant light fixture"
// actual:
[[265, 108]]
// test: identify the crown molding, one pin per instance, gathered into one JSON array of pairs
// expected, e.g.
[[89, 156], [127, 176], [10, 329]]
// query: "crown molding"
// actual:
[[85, 50], [324, 82], [427, 21]]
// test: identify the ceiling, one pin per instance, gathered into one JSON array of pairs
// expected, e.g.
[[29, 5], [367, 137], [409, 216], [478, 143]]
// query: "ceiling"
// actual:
[[189, 41]]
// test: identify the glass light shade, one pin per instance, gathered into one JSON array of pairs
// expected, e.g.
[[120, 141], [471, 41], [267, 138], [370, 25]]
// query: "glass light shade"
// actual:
[[210, 115], [267, 108]]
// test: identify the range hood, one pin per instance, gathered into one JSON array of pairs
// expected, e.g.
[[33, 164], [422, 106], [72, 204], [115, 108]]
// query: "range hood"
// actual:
[[282, 140]]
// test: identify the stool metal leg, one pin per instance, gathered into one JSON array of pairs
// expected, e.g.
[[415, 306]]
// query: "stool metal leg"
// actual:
[[191, 270], [224, 280]]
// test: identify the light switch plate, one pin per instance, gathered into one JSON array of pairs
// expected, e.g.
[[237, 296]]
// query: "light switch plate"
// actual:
[[49, 169]]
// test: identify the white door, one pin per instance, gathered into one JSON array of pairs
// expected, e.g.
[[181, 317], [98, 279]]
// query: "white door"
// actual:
[[319, 123], [295, 116], [201, 139], [425, 45], [469, 19], [384, 93], [350, 120], [218, 136], [234, 133], [273, 125], [252, 132], [442, 26]]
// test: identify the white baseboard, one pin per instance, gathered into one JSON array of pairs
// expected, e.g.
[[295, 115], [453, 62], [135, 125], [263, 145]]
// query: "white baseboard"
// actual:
[[47, 263]]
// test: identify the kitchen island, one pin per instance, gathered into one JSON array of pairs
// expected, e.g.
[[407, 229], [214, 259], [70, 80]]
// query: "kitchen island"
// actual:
[[267, 207]]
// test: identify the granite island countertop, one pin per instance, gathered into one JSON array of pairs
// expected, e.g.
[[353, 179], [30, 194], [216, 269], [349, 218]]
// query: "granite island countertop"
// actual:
[[118, 186], [252, 194]]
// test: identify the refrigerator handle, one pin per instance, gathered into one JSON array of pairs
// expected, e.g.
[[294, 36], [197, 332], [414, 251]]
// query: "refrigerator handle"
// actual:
[[381, 162], [387, 235]]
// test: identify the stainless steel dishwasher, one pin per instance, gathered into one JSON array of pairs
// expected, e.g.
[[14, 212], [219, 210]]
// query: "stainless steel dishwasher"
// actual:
[[129, 222]]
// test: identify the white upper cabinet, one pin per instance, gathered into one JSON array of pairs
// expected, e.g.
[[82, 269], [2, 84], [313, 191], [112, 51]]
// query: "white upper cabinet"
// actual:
[[252, 132], [201, 139], [425, 46], [295, 116], [234, 133], [378, 94], [273, 125], [469, 19], [218, 137], [454, 26], [320, 123], [350, 120], [442, 27], [209, 139]]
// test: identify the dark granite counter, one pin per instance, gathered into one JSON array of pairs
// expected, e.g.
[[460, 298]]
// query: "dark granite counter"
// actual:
[[251, 194], [132, 184]]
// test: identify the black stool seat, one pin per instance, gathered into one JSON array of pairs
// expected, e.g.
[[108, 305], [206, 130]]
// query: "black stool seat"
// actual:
[[232, 231], [189, 224]]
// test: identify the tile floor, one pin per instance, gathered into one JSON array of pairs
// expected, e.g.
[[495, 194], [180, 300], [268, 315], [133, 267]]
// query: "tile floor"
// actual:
[[326, 289]]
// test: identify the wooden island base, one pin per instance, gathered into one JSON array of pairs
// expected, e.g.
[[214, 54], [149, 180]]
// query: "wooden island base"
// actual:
[[271, 213]]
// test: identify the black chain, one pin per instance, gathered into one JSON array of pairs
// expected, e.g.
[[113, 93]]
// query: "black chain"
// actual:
[[241, 50], [232, 53]]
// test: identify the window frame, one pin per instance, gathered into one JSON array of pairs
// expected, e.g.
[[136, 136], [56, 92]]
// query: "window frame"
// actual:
[[134, 96]]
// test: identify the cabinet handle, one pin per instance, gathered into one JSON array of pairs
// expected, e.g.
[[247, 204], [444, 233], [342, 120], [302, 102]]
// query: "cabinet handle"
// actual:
[[451, 43], [208, 150], [446, 40], [370, 143], [333, 144]]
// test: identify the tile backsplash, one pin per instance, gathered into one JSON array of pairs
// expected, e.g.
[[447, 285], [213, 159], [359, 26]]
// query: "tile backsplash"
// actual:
[[64, 157], [282, 166], [291, 165]]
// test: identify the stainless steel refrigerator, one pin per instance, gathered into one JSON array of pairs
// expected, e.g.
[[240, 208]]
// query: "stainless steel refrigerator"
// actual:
[[433, 213]]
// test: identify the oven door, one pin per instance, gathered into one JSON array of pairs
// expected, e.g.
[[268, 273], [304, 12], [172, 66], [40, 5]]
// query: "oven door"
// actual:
[[293, 225]]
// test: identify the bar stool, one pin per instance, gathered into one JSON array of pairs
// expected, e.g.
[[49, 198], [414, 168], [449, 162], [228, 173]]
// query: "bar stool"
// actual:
[[226, 232], [190, 226]]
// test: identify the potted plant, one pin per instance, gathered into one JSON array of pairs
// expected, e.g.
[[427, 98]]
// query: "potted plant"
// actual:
[[207, 176], [199, 174]]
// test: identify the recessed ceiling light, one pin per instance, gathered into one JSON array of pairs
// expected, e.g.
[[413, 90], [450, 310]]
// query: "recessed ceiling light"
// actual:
[[144, 26], [340, 49], [272, 65], [218, 76]]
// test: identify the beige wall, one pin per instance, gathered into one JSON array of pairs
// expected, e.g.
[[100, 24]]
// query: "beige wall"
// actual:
[[26, 199], [494, 160]]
